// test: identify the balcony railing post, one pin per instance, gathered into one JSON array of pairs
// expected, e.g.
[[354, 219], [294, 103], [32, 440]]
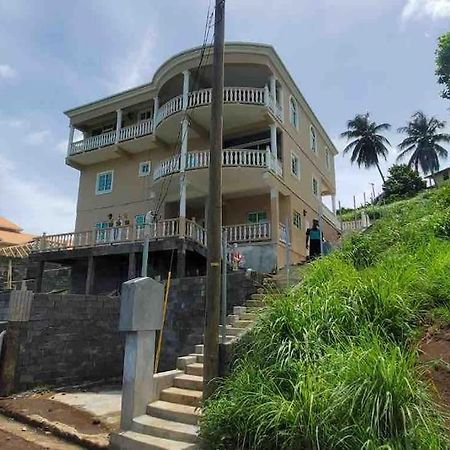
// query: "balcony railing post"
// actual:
[[118, 124], [70, 142]]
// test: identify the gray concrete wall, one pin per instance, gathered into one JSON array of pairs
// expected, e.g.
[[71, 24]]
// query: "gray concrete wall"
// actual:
[[259, 257]]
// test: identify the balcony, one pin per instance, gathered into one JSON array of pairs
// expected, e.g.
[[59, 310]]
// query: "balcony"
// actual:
[[165, 229], [331, 217], [134, 131], [230, 158]]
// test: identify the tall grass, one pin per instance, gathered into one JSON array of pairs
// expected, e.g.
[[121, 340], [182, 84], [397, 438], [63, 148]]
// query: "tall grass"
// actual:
[[332, 363]]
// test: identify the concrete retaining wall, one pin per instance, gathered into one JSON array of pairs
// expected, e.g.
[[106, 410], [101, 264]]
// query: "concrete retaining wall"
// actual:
[[70, 339]]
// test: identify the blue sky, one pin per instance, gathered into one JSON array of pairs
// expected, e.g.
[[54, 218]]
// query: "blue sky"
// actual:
[[347, 56]]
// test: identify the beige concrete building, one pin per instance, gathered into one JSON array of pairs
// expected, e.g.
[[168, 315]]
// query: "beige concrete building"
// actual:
[[440, 177], [147, 149]]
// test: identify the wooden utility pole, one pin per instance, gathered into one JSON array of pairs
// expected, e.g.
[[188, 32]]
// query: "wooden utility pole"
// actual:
[[214, 227]]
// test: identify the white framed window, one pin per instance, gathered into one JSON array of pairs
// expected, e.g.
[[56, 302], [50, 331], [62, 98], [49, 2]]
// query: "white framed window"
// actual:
[[313, 139], [295, 165], [297, 219], [293, 112], [144, 168], [315, 187], [139, 220], [101, 231], [257, 217], [104, 184], [145, 114]]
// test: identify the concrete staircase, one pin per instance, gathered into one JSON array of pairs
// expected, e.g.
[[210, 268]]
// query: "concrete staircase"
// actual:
[[171, 422]]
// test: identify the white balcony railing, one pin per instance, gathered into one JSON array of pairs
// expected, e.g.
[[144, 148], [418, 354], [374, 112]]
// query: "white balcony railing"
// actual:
[[283, 234], [242, 95], [230, 158], [102, 140], [253, 232], [331, 217]]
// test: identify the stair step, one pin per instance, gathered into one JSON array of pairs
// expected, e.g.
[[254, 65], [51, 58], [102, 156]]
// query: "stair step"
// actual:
[[130, 440], [195, 368], [238, 310], [232, 331], [199, 356], [232, 318], [174, 411], [184, 361], [248, 316], [182, 396], [166, 429], [186, 381], [242, 323], [258, 296], [199, 348], [254, 309], [257, 303]]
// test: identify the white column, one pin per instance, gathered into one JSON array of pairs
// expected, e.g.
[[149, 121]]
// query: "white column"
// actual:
[[275, 215], [186, 75], [273, 139], [184, 148], [155, 110], [70, 141], [273, 88], [333, 203], [118, 124]]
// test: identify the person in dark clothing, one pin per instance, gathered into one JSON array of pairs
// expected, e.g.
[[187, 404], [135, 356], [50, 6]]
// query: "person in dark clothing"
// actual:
[[313, 237]]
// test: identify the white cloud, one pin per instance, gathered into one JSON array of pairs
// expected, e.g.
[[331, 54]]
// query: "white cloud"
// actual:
[[61, 146], [416, 9], [26, 202], [38, 137], [6, 71], [138, 66]]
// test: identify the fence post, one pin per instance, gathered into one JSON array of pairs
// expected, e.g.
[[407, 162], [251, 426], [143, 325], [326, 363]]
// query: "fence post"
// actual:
[[141, 315]]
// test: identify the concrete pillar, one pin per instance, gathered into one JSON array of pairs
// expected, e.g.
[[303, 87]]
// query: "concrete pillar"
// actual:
[[181, 260], [275, 215], [186, 76], [141, 315], [131, 265], [90, 275], [118, 124], [40, 276], [155, 110], [273, 89], [333, 203], [183, 155], [273, 140], [70, 141]]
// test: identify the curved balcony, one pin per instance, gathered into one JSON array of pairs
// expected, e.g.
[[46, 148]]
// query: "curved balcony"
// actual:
[[230, 158], [236, 95]]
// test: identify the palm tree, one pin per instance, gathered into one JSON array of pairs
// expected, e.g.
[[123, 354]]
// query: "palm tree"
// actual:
[[423, 143], [368, 144]]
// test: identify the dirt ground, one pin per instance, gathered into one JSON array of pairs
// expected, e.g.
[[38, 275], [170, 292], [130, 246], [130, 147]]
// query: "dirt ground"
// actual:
[[54, 411], [435, 348], [16, 436]]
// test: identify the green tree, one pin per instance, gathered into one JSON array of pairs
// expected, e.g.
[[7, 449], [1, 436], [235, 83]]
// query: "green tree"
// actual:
[[443, 64], [402, 182], [368, 144], [423, 143]]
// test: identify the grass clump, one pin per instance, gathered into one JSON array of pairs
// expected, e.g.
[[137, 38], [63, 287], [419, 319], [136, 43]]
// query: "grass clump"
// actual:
[[332, 363]]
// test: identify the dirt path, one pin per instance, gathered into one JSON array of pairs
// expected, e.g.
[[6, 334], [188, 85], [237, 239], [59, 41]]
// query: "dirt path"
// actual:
[[16, 436]]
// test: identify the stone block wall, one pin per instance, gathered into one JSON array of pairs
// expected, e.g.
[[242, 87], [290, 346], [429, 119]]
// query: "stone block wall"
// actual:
[[68, 339], [72, 339]]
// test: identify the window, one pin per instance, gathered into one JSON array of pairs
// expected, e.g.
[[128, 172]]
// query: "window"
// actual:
[[104, 183], [313, 140], [144, 168], [315, 187], [293, 112], [101, 232], [295, 165], [327, 158], [257, 217], [144, 115], [297, 219], [103, 130]]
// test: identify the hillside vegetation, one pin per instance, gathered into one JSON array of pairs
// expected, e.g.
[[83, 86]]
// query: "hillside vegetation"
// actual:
[[334, 362]]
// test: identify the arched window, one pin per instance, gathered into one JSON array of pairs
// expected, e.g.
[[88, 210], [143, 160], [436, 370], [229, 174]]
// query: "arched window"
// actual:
[[313, 140], [293, 112]]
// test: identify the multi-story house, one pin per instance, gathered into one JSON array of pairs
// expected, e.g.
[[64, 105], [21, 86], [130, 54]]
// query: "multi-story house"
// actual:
[[147, 149]]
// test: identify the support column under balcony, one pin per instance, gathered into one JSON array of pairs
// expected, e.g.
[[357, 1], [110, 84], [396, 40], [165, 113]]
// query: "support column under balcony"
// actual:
[[273, 140], [118, 124], [155, 110], [273, 89], [186, 76], [89, 288], [333, 203], [184, 145], [70, 141], [275, 215]]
